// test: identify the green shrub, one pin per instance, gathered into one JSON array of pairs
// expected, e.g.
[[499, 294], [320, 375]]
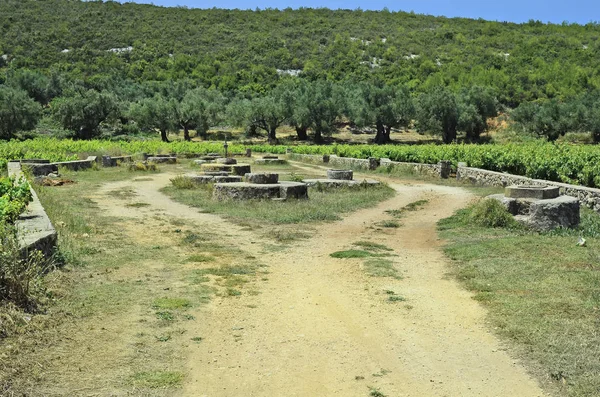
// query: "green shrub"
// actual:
[[181, 182], [20, 277], [14, 197], [142, 166], [491, 213]]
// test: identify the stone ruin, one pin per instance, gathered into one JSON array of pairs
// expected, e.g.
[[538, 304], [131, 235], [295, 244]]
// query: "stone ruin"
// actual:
[[161, 159], [338, 178], [270, 160], [260, 186], [540, 207]]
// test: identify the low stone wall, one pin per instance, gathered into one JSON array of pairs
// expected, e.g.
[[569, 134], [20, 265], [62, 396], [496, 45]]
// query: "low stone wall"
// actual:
[[78, 165], [589, 197], [34, 228], [432, 170]]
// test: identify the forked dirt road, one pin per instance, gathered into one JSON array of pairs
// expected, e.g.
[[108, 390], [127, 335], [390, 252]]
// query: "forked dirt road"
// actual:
[[321, 327]]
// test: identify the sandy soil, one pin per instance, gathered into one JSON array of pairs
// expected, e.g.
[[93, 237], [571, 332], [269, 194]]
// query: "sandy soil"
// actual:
[[320, 326]]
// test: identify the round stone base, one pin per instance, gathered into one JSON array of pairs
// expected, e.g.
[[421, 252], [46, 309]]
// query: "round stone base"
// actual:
[[345, 175], [270, 161], [162, 160], [262, 178], [255, 191], [236, 169], [332, 183]]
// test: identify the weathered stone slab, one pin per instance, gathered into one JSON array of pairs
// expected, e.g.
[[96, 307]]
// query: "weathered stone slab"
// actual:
[[236, 169], [33, 161], [270, 157], [199, 179], [200, 162], [553, 213], [228, 179], [245, 191], [274, 161], [34, 228], [533, 192], [162, 159], [216, 173], [331, 183], [78, 165], [509, 203], [262, 178], [226, 160], [294, 190], [346, 175]]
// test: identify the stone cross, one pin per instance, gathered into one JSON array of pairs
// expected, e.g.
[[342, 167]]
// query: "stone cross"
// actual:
[[225, 145]]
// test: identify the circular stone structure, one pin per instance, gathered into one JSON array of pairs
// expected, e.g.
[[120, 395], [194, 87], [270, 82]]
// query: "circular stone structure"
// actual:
[[270, 161], [331, 183], [226, 160], [236, 169], [204, 179], [162, 159], [262, 178], [531, 192], [257, 191], [260, 186], [345, 175]]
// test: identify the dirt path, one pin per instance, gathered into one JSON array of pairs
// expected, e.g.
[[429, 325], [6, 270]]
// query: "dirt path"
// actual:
[[320, 326]]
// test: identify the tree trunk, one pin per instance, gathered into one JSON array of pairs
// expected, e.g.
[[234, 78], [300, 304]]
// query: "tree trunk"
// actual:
[[163, 136], [302, 134], [318, 135], [272, 135], [383, 134], [186, 133]]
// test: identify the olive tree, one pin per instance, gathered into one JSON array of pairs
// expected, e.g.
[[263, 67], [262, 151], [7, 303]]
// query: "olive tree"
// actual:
[[18, 112]]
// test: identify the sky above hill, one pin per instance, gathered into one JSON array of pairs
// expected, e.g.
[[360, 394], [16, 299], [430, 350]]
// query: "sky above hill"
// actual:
[[555, 11]]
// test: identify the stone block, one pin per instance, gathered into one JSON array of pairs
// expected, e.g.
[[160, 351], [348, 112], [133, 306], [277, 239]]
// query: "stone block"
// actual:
[[294, 190], [226, 160], [262, 178], [199, 179], [346, 175], [228, 179], [245, 191], [162, 159], [275, 161], [532, 192], [553, 213], [445, 168], [373, 163]]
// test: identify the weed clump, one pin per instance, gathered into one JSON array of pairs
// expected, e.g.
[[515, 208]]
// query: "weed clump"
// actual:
[[180, 182], [491, 213], [142, 166]]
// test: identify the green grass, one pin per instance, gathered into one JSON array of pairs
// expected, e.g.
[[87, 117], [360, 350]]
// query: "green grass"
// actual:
[[414, 206], [370, 246], [199, 258], [157, 379], [171, 303], [321, 206], [389, 224], [381, 267], [542, 292], [350, 254]]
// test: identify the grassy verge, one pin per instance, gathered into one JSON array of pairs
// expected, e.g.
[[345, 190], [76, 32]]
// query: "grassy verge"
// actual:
[[322, 205], [126, 296], [542, 292]]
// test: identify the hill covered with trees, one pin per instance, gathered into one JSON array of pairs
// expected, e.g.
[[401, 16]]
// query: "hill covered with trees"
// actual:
[[125, 58]]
